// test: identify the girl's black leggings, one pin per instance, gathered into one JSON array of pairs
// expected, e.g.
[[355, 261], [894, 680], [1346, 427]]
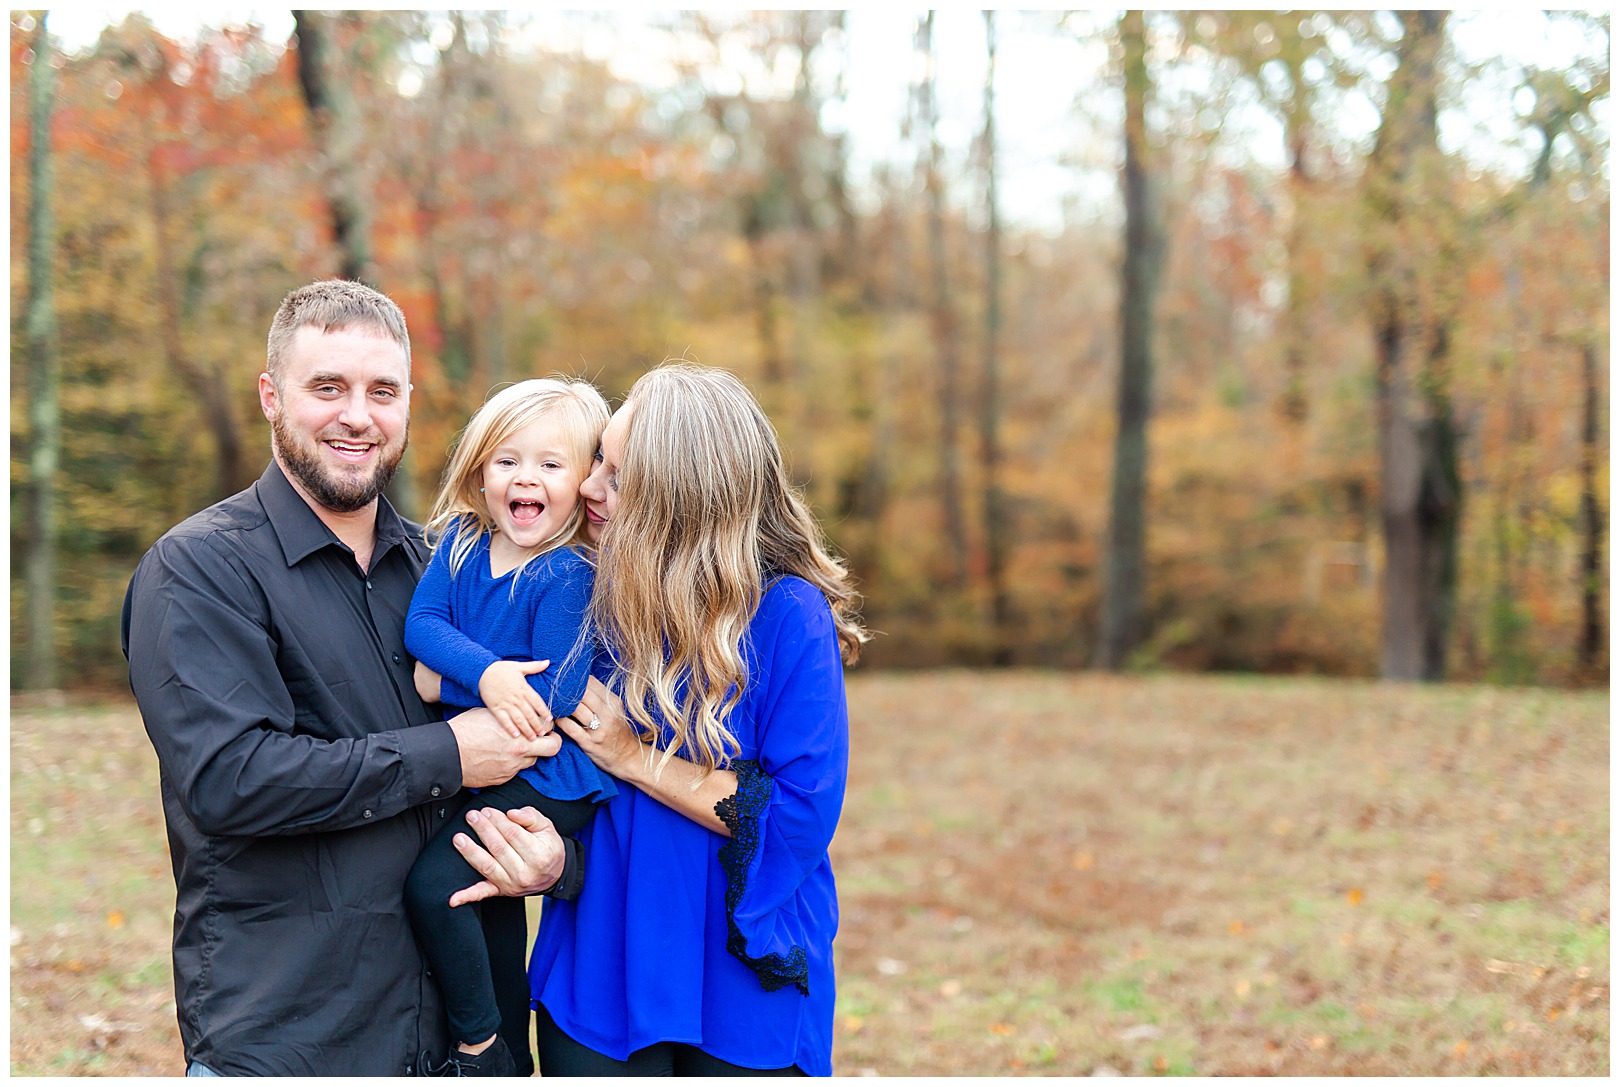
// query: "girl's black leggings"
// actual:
[[478, 978], [560, 1055]]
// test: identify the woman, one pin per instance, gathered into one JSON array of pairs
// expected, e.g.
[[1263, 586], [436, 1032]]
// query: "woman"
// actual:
[[702, 941]]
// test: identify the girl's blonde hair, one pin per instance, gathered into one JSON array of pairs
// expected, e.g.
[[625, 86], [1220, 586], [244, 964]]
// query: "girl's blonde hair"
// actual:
[[461, 512], [706, 514]]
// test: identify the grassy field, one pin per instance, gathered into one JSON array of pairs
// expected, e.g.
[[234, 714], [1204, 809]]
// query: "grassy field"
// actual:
[[1043, 875]]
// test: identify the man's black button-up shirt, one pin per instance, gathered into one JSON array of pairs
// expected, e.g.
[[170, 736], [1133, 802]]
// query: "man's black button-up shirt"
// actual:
[[300, 775]]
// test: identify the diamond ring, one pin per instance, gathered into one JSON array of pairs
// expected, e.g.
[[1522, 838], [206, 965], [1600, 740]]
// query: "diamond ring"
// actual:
[[595, 724]]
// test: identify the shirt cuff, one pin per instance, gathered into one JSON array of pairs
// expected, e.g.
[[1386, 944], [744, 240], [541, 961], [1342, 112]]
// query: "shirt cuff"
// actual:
[[572, 880], [432, 762]]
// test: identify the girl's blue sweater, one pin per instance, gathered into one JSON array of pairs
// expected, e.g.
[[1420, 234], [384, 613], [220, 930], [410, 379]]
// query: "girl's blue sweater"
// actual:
[[460, 624]]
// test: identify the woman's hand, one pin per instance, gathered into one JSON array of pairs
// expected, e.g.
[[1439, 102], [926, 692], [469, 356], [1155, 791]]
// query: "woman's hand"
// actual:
[[505, 689], [613, 745], [428, 682], [519, 854], [616, 748]]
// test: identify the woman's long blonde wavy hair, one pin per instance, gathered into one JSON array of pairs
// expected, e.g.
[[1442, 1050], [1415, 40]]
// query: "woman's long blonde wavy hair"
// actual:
[[705, 515], [460, 511]]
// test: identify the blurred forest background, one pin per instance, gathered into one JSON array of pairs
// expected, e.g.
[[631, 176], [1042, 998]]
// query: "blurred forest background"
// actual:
[[1314, 380]]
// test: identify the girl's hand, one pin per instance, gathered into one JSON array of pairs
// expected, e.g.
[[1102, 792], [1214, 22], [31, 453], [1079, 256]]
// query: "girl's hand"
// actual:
[[427, 682], [612, 745], [505, 689]]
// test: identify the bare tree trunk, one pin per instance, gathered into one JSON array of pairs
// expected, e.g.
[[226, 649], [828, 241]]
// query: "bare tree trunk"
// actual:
[[772, 369], [849, 261], [331, 118], [1124, 583], [232, 472], [1507, 660], [804, 267], [896, 296], [871, 491], [945, 328], [1552, 116], [427, 188], [44, 413], [1297, 333], [996, 512], [1421, 499], [1588, 658]]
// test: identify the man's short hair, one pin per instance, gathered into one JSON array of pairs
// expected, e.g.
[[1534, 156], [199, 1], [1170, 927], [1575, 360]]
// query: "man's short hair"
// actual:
[[333, 305]]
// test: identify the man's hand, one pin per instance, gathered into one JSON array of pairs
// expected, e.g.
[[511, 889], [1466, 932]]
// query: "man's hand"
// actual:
[[520, 854], [490, 754], [505, 689]]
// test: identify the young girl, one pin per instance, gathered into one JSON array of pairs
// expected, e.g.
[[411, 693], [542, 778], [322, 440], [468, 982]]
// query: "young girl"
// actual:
[[505, 591]]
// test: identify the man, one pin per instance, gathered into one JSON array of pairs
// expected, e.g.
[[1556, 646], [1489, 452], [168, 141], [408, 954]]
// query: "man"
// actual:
[[300, 771]]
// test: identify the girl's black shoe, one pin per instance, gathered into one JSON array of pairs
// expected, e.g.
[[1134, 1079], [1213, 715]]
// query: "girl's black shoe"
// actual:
[[494, 1061]]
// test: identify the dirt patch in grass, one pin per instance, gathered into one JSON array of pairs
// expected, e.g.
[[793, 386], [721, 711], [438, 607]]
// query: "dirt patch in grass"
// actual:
[[1043, 874]]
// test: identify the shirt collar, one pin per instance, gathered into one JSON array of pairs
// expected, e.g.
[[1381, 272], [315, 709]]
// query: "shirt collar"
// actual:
[[302, 533]]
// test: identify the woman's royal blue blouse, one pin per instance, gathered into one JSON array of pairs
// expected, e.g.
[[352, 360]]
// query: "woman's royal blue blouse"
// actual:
[[683, 935]]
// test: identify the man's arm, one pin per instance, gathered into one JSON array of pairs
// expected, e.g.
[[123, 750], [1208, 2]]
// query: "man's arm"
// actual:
[[203, 668]]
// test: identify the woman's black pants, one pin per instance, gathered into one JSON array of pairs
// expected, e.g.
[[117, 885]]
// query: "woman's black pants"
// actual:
[[560, 1055]]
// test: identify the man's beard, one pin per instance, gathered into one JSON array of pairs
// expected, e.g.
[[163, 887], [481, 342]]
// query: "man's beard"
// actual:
[[337, 493]]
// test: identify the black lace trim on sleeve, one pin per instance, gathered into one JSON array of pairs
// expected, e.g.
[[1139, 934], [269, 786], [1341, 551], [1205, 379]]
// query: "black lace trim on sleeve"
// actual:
[[740, 812]]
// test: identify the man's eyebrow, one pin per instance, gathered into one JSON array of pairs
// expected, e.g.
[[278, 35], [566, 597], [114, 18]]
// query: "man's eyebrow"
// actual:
[[332, 377]]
